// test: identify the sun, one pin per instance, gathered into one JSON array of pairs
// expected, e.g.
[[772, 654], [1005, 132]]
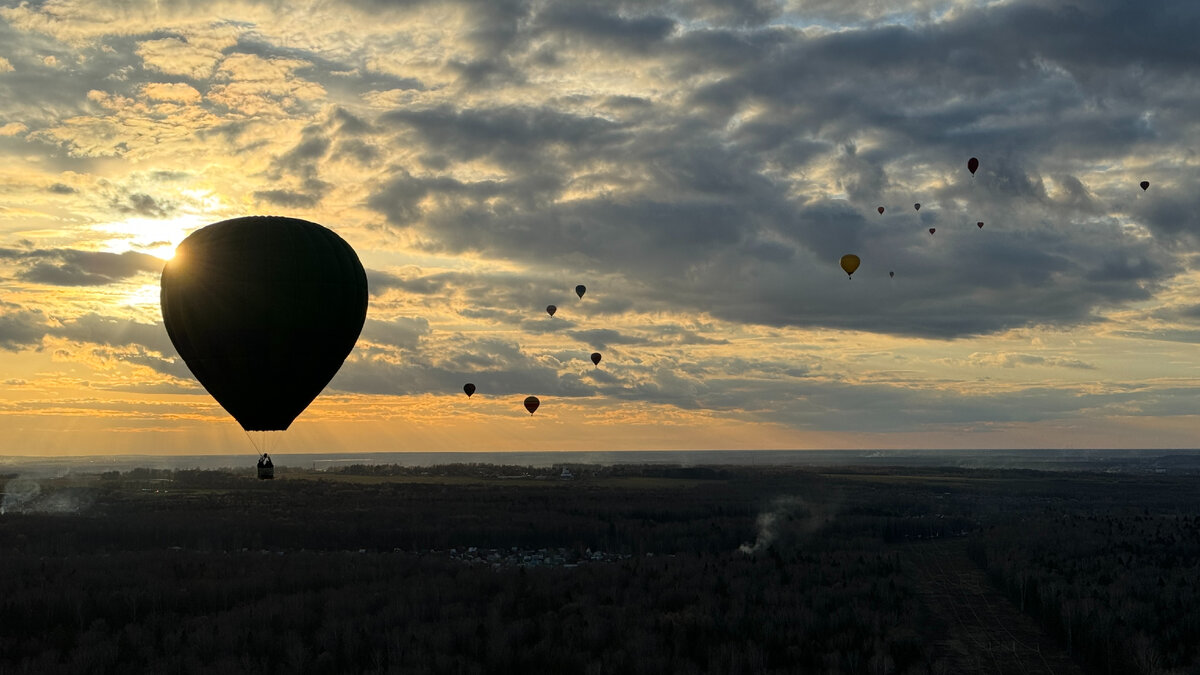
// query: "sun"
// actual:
[[156, 237]]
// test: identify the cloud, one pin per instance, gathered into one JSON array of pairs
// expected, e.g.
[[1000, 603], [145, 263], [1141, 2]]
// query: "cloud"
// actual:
[[114, 332], [20, 328], [287, 198], [175, 56], [401, 332], [72, 267], [176, 92], [701, 166], [1013, 360]]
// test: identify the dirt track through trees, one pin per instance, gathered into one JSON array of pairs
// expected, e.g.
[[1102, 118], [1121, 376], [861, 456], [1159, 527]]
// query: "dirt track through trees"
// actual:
[[985, 632]]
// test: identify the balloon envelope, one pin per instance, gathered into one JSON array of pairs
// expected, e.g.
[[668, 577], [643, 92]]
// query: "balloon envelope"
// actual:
[[892, 275], [264, 310], [469, 389], [932, 230], [551, 309], [917, 206], [980, 224], [972, 165], [850, 263], [580, 290], [595, 358], [532, 403], [1145, 185], [880, 210]]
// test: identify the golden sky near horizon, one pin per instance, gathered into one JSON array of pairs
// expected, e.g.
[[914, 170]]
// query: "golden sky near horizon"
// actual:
[[700, 166]]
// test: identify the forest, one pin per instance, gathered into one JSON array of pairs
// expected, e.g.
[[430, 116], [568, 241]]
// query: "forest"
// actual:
[[476, 568]]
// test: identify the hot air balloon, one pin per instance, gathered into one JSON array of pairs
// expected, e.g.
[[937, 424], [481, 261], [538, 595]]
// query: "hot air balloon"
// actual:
[[850, 263], [469, 389], [1145, 185], [264, 310], [580, 290], [917, 206], [932, 230], [532, 403], [979, 224], [551, 309], [892, 274], [972, 165], [880, 210], [595, 358]]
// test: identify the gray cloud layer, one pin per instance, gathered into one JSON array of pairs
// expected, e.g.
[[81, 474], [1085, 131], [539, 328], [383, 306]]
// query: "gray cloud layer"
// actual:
[[742, 149]]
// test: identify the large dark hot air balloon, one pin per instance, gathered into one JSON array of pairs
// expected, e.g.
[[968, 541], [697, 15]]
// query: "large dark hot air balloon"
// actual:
[[932, 230], [264, 310], [1145, 185], [580, 290], [469, 389], [917, 206], [850, 263], [532, 403], [972, 165], [595, 358], [551, 309], [880, 210], [979, 224]]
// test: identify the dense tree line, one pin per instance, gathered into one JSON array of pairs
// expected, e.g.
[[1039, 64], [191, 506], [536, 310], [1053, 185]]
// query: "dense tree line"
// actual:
[[194, 571], [705, 569], [1121, 589]]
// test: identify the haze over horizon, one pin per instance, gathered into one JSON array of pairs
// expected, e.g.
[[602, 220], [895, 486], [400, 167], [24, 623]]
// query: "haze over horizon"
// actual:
[[700, 166]]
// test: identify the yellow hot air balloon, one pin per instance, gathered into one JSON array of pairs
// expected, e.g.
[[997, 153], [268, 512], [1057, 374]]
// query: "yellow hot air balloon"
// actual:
[[850, 263]]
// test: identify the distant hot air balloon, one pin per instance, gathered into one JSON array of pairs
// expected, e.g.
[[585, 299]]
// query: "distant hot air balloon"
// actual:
[[551, 309], [595, 358], [264, 310], [532, 403], [972, 165], [979, 224], [880, 210], [892, 275], [850, 263], [1145, 185], [580, 290], [932, 230], [917, 206], [469, 388]]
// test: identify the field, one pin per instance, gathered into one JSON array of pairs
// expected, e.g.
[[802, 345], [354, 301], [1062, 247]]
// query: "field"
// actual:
[[624, 569]]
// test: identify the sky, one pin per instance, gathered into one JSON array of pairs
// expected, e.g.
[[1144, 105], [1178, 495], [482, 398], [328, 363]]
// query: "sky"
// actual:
[[700, 166]]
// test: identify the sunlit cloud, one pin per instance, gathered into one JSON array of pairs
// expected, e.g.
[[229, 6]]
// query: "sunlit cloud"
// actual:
[[700, 166]]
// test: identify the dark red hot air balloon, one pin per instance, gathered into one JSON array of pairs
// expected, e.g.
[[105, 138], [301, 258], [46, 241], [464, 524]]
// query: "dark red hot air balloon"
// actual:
[[469, 389], [551, 309], [972, 165], [980, 224], [932, 230], [595, 358], [532, 403], [880, 210], [264, 310]]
